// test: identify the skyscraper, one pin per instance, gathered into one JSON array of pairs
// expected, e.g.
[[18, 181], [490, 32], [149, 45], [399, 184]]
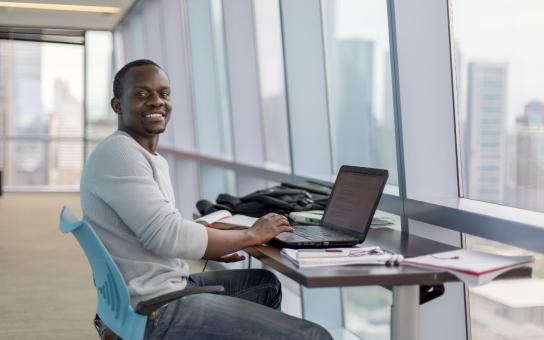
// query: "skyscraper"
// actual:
[[352, 120], [485, 131], [529, 176]]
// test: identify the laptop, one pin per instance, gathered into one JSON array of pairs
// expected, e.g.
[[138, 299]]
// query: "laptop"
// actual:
[[347, 218]]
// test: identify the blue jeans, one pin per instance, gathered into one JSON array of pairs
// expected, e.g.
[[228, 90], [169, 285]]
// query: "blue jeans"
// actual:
[[249, 309]]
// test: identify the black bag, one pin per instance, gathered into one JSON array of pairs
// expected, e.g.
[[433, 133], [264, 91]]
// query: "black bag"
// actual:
[[278, 199]]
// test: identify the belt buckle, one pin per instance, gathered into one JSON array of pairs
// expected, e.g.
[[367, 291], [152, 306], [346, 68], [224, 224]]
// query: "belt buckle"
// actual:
[[154, 315]]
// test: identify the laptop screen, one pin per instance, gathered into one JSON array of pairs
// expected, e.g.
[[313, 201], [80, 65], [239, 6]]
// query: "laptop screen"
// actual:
[[354, 200]]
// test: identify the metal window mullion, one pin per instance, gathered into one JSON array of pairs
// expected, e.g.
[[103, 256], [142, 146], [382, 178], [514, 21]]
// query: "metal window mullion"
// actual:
[[397, 111]]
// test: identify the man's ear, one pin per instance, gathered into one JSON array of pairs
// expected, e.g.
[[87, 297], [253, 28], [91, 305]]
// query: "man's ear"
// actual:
[[116, 105]]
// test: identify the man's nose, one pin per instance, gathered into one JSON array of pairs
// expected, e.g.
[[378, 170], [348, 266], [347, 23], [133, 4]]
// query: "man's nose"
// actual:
[[155, 100]]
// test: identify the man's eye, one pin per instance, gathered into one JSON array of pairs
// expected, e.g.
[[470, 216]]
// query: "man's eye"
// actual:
[[141, 94], [165, 94]]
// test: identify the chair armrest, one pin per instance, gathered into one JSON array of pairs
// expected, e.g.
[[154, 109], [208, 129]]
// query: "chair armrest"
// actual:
[[148, 306]]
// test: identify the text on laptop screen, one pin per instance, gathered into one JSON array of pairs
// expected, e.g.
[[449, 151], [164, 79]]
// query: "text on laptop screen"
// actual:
[[353, 199]]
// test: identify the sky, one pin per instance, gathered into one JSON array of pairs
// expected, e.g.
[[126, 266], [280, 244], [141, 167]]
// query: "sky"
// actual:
[[364, 20], [65, 62], [505, 31], [483, 30]]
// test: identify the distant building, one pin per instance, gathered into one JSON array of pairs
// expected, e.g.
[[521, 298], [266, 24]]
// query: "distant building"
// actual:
[[353, 124], [65, 158], [485, 131], [22, 115], [529, 174]]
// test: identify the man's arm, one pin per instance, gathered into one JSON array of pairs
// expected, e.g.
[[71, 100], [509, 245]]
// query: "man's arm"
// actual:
[[222, 242]]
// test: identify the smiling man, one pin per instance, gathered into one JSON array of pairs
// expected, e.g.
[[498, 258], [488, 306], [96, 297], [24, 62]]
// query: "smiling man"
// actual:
[[127, 197]]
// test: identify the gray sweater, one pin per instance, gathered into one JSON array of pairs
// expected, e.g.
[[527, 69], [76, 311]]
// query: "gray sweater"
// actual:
[[127, 197]]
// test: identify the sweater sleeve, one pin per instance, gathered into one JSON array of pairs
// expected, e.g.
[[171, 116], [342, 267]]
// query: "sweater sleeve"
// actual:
[[124, 180]]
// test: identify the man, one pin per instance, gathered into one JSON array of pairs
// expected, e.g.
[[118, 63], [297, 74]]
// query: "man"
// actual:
[[127, 197]]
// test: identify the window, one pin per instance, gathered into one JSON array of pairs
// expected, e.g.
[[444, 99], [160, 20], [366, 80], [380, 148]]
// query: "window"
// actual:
[[215, 181], [209, 76], [211, 94], [306, 88], [361, 122], [500, 108], [272, 84], [359, 85], [100, 120], [133, 35], [41, 121], [499, 73]]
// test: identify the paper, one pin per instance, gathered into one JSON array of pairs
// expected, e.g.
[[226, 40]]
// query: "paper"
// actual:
[[339, 252], [223, 219], [237, 221], [471, 266], [477, 280], [308, 262], [209, 219]]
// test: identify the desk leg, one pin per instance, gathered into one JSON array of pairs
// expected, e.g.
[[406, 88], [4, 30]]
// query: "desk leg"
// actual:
[[405, 313]]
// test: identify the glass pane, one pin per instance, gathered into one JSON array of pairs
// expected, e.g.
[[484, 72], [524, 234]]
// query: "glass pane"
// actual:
[[361, 119], [101, 121], [42, 162], [185, 181], [500, 77], [65, 162], [272, 84], [41, 115], [367, 312], [507, 309], [359, 85], [21, 79], [215, 181], [306, 88], [134, 34], [180, 131], [25, 163], [211, 101], [41, 89]]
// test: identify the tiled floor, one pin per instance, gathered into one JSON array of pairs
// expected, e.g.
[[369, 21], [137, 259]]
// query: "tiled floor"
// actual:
[[46, 289], [46, 286]]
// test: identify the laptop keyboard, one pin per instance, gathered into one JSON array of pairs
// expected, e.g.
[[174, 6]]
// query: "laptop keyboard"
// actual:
[[315, 233]]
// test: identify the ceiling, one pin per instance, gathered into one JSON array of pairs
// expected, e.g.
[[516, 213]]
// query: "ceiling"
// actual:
[[41, 18]]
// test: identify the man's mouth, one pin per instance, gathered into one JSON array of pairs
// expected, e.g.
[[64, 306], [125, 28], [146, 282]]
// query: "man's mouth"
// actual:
[[155, 115]]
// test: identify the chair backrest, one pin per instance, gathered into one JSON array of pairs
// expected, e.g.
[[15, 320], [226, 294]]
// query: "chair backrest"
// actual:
[[113, 300]]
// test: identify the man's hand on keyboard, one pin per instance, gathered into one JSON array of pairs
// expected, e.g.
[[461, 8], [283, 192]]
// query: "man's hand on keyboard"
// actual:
[[268, 227]]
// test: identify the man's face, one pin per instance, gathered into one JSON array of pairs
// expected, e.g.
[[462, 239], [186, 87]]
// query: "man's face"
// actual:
[[144, 106]]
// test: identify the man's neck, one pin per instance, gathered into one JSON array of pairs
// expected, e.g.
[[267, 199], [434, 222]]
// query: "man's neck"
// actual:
[[147, 142]]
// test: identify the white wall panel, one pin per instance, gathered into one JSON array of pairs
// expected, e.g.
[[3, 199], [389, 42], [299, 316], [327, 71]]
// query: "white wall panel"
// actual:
[[428, 130]]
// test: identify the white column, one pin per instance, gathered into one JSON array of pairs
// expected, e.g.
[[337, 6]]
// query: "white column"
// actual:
[[428, 139]]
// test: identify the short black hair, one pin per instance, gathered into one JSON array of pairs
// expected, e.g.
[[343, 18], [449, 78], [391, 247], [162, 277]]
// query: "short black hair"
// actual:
[[118, 80]]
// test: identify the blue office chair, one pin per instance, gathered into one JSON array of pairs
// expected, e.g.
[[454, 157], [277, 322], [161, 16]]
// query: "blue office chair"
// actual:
[[114, 309]]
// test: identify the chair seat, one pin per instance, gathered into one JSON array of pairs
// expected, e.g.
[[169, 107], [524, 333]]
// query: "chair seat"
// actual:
[[115, 317]]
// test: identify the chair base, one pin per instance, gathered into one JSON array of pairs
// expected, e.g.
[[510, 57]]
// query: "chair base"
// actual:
[[103, 331]]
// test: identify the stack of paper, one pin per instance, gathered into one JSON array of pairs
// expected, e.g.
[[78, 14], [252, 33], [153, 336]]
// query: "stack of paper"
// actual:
[[472, 267], [305, 258]]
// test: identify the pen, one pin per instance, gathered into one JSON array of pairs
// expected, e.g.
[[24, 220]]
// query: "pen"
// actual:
[[320, 250], [445, 258]]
